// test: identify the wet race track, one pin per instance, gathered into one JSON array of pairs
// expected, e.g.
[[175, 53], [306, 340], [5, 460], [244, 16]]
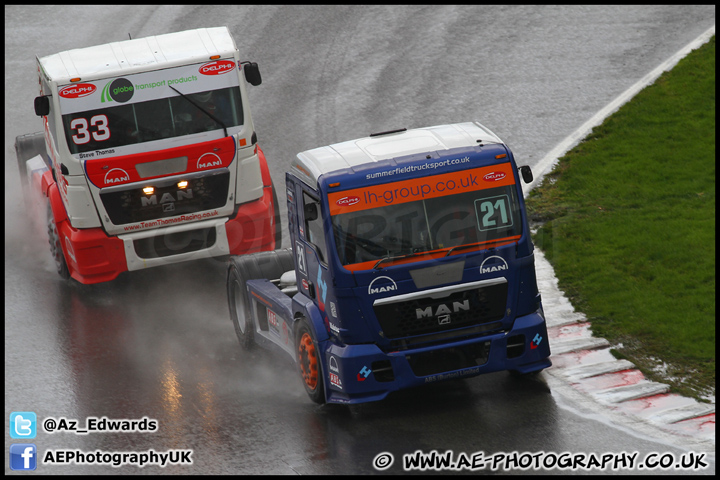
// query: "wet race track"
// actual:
[[159, 344]]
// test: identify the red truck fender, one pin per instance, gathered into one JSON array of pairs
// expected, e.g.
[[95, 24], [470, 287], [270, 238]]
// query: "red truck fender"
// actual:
[[50, 190], [264, 170]]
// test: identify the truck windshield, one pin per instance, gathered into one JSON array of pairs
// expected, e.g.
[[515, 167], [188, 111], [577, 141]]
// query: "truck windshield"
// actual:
[[452, 211], [156, 119]]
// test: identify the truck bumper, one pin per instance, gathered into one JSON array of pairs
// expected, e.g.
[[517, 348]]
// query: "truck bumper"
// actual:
[[364, 373], [93, 256]]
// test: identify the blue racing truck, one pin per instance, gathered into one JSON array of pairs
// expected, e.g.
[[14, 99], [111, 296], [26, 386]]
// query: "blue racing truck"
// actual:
[[411, 263]]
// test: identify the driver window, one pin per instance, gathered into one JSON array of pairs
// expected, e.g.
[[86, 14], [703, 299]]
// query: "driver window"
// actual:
[[313, 225]]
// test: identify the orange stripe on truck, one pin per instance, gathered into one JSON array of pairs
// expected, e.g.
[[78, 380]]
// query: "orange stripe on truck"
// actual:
[[422, 188]]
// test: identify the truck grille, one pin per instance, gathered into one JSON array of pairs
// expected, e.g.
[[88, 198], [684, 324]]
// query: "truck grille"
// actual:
[[175, 243], [420, 316], [133, 205]]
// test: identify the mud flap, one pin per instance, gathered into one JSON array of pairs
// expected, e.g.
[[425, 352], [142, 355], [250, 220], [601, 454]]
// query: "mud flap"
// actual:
[[27, 147]]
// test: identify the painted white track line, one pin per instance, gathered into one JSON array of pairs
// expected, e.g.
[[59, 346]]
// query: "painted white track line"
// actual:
[[583, 367]]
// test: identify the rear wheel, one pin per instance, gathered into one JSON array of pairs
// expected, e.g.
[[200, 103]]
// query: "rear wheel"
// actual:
[[239, 307], [56, 246], [309, 362], [261, 265]]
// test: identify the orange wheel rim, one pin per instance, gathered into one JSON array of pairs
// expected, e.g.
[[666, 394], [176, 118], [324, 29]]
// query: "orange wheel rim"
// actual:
[[308, 361]]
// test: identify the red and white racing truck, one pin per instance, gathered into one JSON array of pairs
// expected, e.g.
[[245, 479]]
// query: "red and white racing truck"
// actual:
[[149, 155]]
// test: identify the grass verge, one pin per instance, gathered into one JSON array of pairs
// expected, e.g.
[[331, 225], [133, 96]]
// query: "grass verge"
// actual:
[[627, 219]]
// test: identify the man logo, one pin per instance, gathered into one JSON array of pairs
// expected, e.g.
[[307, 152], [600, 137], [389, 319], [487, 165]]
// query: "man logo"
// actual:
[[207, 161], [334, 373], [166, 199], [382, 285], [442, 311], [493, 264], [116, 175], [334, 365]]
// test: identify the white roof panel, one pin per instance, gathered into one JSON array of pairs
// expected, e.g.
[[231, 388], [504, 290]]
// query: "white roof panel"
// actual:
[[130, 56], [311, 164]]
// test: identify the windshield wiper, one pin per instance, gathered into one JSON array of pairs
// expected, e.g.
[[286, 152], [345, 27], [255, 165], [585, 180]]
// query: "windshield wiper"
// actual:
[[488, 243], [460, 247], [408, 255], [397, 257], [213, 117], [450, 250]]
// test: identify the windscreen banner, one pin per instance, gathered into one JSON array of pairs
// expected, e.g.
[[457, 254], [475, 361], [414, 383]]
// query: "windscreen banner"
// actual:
[[143, 87], [422, 188]]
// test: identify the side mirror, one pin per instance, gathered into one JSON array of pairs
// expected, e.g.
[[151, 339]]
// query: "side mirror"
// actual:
[[311, 212], [252, 73], [526, 173], [42, 106]]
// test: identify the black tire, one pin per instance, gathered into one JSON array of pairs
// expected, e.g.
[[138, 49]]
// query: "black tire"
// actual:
[[308, 361], [55, 245], [277, 221], [267, 265], [239, 305], [26, 147]]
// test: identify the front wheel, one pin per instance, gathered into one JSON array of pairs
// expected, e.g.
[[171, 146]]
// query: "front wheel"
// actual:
[[309, 362]]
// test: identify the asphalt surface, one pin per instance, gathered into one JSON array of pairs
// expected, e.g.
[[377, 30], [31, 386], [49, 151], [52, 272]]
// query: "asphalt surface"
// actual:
[[159, 343]]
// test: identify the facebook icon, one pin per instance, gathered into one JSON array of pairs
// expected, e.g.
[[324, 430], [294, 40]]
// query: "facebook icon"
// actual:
[[23, 456]]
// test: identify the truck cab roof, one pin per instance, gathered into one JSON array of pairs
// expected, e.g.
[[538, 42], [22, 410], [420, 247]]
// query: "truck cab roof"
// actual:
[[311, 164], [136, 55]]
